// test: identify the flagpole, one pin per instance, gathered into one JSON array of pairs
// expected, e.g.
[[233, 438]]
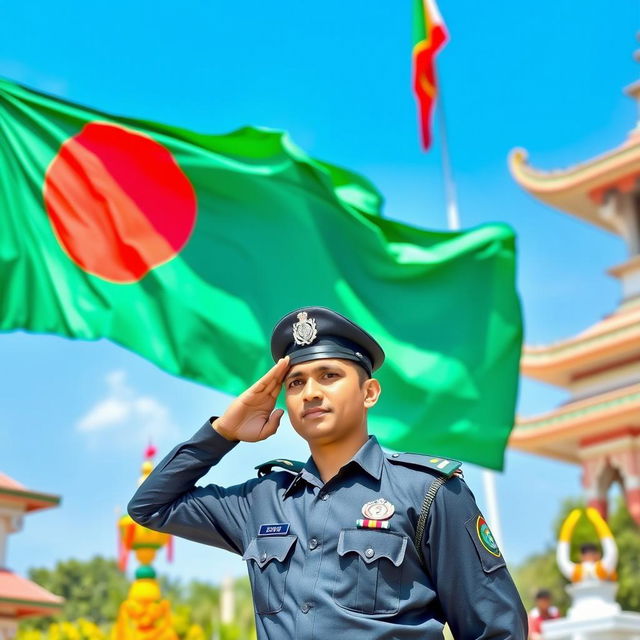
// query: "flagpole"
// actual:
[[453, 220], [491, 496], [451, 198]]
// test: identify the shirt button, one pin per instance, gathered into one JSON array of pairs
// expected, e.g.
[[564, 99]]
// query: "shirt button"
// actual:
[[313, 543], [305, 607], [395, 455], [369, 553], [263, 557], [324, 496]]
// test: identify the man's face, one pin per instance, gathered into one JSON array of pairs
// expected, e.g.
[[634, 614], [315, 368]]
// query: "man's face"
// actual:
[[327, 399], [543, 603], [590, 556]]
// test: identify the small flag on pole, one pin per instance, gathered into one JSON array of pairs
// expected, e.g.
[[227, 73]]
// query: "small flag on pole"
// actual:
[[429, 36]]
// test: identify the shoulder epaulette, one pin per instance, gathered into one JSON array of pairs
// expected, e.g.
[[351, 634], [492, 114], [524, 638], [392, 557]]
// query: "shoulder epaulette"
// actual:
[[442, 466], [292, 466]]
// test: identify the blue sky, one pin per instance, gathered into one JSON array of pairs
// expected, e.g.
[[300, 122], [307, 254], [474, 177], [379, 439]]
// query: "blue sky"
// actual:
[[74, 416]]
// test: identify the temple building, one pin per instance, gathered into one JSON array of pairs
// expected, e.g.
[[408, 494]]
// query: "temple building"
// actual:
[[19, 597], [598, 427]]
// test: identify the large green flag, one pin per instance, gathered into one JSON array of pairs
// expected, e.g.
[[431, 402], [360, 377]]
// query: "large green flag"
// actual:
[[188, 248]]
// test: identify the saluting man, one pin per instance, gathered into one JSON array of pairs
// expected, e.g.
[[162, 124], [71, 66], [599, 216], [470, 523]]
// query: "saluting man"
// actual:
[[356, 540]]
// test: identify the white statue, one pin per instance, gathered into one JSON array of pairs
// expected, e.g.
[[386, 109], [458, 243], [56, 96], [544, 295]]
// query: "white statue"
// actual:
[[593, 566]]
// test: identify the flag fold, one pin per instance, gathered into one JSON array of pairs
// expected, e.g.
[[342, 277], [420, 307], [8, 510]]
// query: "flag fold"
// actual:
[[188, 248]]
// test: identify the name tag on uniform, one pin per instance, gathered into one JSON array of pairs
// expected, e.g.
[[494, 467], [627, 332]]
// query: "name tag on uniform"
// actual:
[[279, 529]]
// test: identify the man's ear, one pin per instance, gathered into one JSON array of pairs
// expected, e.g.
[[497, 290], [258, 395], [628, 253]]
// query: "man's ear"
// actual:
[[372, 392]]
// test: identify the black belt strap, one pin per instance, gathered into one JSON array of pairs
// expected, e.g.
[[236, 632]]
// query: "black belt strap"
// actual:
[[424, 513]]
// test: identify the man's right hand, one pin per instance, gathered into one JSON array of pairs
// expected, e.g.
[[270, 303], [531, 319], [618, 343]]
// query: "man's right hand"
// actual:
[[250, 417]]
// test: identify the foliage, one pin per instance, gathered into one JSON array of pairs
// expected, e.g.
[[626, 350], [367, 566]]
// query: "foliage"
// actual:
[[79, 630], [199, 603], [93, 590], [244, 613], [627, 535], [540, 571]]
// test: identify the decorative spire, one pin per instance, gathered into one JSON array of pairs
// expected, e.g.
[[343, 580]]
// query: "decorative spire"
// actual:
[[144, 615], [150, 451], [147, 465], [134, 537]]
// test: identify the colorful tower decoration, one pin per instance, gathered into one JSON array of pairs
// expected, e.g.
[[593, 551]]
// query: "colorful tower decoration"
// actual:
[[144, 615], [19, 597], [599, 426]]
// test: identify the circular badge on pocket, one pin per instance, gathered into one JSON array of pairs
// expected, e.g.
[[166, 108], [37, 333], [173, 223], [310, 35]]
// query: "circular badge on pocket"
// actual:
[[379, 509]]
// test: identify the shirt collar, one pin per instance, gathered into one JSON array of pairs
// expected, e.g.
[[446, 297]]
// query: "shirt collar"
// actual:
[[369, 458]]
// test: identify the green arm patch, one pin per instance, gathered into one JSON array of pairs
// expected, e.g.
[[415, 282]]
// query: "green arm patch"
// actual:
[[485, 544], [443, 466], [293, 466]]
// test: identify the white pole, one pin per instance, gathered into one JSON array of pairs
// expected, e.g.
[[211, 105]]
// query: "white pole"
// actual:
[[453, 220], [227, 600], [491, 495], [453, 217]]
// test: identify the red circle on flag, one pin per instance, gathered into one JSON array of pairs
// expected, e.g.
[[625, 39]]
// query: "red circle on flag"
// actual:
[[119, 203]]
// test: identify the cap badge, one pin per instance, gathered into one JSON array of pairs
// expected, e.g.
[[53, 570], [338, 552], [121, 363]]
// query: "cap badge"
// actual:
[[305, 331], [380, 509]]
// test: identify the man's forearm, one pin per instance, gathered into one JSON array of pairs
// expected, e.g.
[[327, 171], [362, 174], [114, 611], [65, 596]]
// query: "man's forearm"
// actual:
[[177, 474]]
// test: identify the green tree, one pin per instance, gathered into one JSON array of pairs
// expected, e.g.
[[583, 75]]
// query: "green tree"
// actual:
[[193, 603], [92, 590], [540, 571], [244, 613], [198, 603], [627, 535]]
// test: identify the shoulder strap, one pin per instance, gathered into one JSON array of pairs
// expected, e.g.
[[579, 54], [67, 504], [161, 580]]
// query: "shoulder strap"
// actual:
[[424, 513], [441, 466], [292, 466]]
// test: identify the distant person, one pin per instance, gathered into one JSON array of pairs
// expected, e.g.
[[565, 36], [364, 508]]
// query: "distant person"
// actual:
[[594, 566], [544, 610]]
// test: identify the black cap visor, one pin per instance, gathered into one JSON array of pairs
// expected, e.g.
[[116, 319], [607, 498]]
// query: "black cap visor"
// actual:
[[332, 350]]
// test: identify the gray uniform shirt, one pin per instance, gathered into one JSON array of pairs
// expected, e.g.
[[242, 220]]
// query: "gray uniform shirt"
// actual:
[[321, 575]]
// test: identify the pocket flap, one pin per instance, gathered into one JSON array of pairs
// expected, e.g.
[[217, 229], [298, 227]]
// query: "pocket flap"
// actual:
[[373, 544], [263, 550]]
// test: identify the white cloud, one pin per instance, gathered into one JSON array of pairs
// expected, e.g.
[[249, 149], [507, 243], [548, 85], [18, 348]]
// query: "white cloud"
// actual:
[[123, 410], [105, 414]]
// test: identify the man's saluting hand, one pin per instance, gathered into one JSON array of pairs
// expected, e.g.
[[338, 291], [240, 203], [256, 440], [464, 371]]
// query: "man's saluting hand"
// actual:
[[250, 417]]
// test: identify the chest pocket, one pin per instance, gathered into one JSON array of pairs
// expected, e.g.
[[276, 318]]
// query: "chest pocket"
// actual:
[[369, 576], [268, 560]]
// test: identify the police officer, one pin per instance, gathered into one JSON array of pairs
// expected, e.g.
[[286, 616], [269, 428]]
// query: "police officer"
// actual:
[[339, 544]]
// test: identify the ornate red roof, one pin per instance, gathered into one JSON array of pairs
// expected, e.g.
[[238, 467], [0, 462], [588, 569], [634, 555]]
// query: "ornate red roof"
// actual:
[[20, 598], [580, 189], [13, 491], [9, 483]]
